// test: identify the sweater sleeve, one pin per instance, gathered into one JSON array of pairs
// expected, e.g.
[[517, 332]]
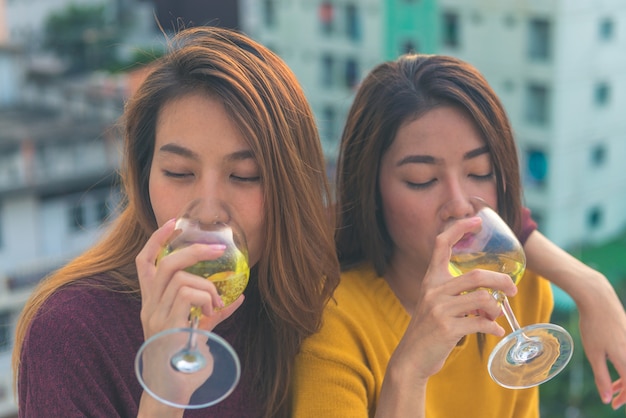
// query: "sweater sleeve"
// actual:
[[68, 367], [528, 225]]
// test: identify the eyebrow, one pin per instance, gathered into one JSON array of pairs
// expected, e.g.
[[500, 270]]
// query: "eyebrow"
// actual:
[[429, 159], [179, 150], [187, 153]]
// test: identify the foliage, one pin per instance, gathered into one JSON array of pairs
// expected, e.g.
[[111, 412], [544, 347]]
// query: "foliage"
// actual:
[[138, 59], [573, 393], [82, 36]]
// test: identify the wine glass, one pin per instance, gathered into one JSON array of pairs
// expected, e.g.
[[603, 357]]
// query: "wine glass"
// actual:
[[189, 367], [530, 355]]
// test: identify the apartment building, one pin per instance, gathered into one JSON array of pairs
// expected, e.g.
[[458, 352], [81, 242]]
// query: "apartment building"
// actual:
[[559, 67]]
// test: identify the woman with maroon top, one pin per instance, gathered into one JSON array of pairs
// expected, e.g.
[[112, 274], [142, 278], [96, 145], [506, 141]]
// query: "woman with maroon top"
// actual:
[[219, 117]]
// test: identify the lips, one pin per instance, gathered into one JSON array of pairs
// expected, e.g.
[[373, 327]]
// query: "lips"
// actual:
[[466, 241]]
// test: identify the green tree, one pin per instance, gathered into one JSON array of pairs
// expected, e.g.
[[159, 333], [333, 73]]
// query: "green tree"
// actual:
[[82, 36]]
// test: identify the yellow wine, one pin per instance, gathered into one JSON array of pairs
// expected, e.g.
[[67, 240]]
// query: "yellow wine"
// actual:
[[229, 273], [511, 263]]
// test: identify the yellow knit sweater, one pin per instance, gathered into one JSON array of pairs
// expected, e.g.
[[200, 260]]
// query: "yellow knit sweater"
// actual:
[[340, 370]]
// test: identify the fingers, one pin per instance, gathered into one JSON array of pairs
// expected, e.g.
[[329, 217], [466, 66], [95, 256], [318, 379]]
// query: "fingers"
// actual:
[[610, 392], [168, 291], [446, 240], [187, 290], [477, 279], [209, 322], [172, 278], [617, 389], [602, 378], [145, 260]]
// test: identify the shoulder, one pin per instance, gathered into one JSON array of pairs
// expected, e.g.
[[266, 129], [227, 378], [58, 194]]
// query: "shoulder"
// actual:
[[362, 302], [84, 300], [359, 282], [79, 350], [83, 311]]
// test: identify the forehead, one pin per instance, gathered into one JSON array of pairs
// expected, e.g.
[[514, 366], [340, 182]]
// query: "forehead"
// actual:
[[441, 131]]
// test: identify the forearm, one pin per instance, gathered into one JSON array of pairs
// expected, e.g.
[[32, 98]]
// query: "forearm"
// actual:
[[150, 407], [401, 395], [564, 270]]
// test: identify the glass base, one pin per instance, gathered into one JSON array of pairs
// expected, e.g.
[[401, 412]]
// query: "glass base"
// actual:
[[187, 389], [530, 356]]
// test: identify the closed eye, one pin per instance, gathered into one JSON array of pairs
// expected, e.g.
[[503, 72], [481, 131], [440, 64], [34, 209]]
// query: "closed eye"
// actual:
[[177, 175], [488, 176], [423, 185], [251, 179]]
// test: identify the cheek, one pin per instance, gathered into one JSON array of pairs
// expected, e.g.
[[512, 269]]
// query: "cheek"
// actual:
[[398, 210], [410, 222], [252, 220], [164, 202]]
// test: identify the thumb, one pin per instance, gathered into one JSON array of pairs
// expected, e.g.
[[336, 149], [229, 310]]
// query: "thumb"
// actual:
[[210, 322]]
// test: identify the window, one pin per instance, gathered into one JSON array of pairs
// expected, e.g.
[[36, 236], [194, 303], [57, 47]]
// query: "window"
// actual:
[[539, 39], [537, 104], [102, 210], [450, 29], [77, 217], [510, 21], [606, 29], [5, 331], [595, 217], [327, 16], [352, 73], [269, 13], [1, 228], [408, 47], [598, 155], [328, 70], [353, 25], [602, 93], [536, 172], [329, 121]]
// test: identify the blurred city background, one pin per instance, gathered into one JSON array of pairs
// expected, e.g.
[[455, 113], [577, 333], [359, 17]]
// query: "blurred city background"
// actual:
[[67, 66]]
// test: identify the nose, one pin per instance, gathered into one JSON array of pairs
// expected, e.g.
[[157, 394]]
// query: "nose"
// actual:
[[457, 204], [457, 208], [215, 210], [211, 207]]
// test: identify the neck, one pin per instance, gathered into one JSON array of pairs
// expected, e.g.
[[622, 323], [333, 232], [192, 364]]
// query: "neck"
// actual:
[[405, 279]]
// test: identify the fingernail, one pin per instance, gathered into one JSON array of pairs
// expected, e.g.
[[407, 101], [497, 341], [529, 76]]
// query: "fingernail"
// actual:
[[218, 247]]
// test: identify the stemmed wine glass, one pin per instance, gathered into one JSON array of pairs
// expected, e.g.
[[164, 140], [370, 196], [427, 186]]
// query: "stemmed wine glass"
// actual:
[[530, 355], [189, 367]]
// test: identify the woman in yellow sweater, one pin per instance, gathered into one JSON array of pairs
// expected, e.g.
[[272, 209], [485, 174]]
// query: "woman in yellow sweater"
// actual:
[[399, 338]]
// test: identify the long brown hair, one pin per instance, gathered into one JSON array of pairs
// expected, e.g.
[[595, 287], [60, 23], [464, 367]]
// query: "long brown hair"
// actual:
[[392, 94], [298, 269]]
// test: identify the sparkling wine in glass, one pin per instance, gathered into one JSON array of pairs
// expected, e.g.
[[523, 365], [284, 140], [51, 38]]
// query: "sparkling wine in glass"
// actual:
[[530, 355], [189, 367]]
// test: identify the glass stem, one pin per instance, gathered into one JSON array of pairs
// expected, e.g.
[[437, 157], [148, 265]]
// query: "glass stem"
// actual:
[[506, 310], [192, 344]]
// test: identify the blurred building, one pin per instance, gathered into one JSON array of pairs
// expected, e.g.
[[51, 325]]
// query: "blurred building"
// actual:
[[560, 69], [59, 156], [331, 45]]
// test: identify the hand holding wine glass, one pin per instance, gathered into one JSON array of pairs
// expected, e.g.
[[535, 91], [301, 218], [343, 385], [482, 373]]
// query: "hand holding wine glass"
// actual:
[[191, 367], [530, 355]]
